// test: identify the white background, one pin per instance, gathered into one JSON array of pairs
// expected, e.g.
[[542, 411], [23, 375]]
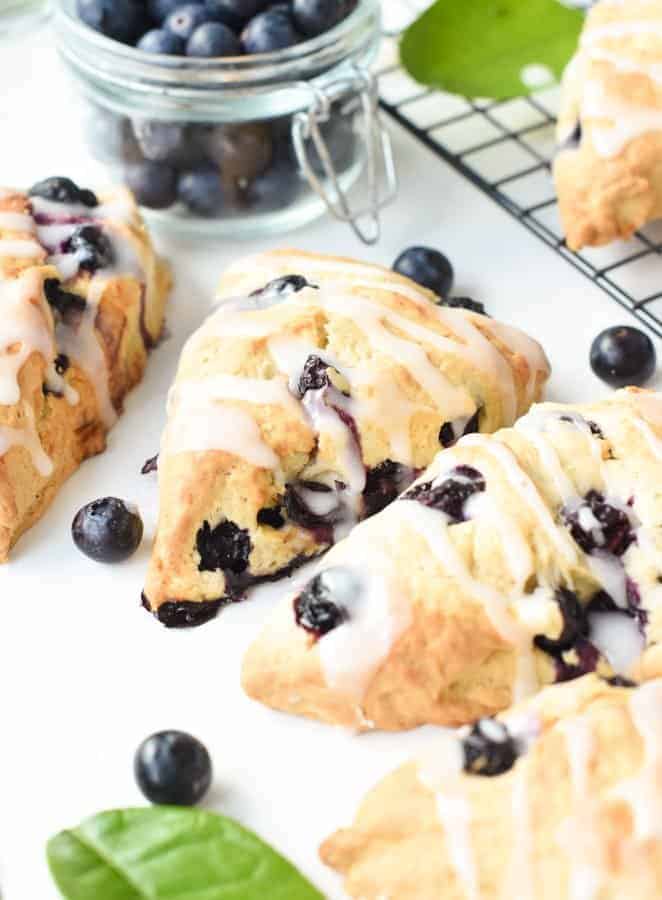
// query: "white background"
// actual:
[[85, 674]]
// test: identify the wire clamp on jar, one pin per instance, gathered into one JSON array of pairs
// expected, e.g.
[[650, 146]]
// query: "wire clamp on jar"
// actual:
[[357, 91]]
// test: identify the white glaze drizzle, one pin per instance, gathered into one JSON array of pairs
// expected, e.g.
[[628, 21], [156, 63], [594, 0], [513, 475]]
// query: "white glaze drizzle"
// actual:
[[618, 638], [15, 221], [533, 426], [519, 881], [21, 249]]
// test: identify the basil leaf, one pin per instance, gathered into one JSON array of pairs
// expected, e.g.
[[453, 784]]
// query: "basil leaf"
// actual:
[[179, 853], [479, 48]]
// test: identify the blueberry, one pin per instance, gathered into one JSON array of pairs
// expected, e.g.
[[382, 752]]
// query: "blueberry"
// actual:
[[242, 151], [61, 363], [159, 141], [313, 17], [159, 10], [596, 525], [225, 547], [427, 267], [172, 767], [322, 605], [450, 432], [211, 40], [235, 13], [575, 625], [92, 248], [62, 190], [201, 190], [270, 31], [450, 494], [623, 356], [271, 516], [185, 613], [314, 376], [154, 184], [121, 20], [384, 483], [275, 189], [185, 19], [107, 530], [464, 303], [287, 284], [70, 307], [159, 40], [489, 749]]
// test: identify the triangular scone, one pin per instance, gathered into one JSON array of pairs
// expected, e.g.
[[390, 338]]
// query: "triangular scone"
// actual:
[[308, 405], [608, 169], [515, 560], [82, 298], [559, 799]]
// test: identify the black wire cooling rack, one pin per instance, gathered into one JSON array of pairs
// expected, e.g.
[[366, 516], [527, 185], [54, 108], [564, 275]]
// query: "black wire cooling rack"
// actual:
[[505, 148]]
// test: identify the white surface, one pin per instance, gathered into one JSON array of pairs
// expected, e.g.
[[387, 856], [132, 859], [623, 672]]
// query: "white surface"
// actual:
[[85, 673]]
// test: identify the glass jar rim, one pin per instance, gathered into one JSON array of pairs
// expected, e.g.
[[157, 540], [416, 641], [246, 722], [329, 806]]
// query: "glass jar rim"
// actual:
[[107, 59]]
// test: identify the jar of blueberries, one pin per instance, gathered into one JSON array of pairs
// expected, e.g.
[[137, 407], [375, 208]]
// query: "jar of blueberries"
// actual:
[[234, 117]]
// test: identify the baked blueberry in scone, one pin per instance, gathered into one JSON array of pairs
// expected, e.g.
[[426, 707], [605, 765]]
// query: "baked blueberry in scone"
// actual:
[[515, 560], [82, 297], [608, 170], [558, 799], [314, 395]]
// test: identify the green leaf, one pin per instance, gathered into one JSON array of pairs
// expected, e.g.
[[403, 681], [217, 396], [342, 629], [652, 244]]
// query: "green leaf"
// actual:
[[478, 48], [178, 853]]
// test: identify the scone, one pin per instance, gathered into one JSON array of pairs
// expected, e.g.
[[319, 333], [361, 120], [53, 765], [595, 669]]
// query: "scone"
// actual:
[[609, 167], [309, 400], [559, 799], [527, 557], [82, 295]]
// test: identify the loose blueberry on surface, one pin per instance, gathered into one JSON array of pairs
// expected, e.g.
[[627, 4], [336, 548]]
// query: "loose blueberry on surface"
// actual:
[[121, 20], [449, 495], [160, 40], [172, 767], [270, 31], [154, 184], [62, 190], [604, 528], [313, 17], [489, 749], [622, 356], [92, 247], [273, 190], [224, 547], [159, 10], [235, 13], [185, 19], [213, 39], [575, 625], [319, 608], [426, 267], [70, 307], [107, 530], [384, 483], [465, 303], [201, 191], [271, 516]]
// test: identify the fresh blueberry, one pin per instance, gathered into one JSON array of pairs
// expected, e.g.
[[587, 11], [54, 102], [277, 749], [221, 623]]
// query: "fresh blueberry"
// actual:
[[213, 39], [201, 191], [313, 17], [107, 530], [173, 768], [451, 493], [427, 267], [63, 190], [384, 483], [225, 547], [242, 151], [596, 525], [92, 247], [121, 20], [575, 625], [69, 307], [489, 749], [270, 31], [623, 356], [154, 184], [273, 190], [159, 10], [235, 13], [322, 605], [159, 40], [159, 141], [185, 19], [464, 303]]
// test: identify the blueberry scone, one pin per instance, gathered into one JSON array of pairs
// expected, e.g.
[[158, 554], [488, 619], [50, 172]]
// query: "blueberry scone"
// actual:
[[314, 395], [82, 296], [609, 167], [518, 559], [559, 799]]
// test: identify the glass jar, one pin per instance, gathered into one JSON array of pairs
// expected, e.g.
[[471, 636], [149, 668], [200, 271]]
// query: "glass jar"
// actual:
[[246, 146], [18, 16]]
